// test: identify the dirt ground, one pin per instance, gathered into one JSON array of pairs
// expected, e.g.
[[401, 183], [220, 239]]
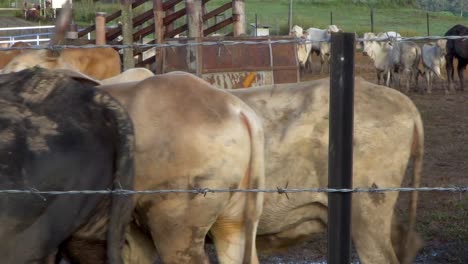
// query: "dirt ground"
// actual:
[[442, 217]]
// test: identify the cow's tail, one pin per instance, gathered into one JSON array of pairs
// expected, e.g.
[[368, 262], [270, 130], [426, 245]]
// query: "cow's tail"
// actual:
[[121, 205], [256, 180], [417, 152]]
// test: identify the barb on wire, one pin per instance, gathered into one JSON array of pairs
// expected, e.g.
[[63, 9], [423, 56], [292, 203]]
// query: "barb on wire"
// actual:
[[223, 42], [204, 191]]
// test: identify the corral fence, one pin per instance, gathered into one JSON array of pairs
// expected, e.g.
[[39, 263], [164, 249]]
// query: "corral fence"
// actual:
[[340, 145], [33, 34]]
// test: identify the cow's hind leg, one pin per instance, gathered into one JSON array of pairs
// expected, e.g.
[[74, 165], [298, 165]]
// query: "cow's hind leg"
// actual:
[[230, 232], [461, 68], [179, 224], [372, 227]]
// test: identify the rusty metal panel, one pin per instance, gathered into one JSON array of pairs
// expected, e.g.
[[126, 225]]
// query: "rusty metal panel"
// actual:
[[175, 58], [234, 80], [278, 59]]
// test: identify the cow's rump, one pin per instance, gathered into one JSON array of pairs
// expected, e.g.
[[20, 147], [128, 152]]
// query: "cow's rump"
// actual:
[[59, 135], [387, 132]]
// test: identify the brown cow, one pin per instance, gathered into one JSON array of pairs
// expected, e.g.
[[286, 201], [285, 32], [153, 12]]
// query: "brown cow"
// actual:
[[7, 55], [388, 131], [190, 135], [98, 63]]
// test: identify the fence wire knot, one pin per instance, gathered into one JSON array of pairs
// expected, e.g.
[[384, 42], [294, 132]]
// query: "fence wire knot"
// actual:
[[203, 191], [36, 192]]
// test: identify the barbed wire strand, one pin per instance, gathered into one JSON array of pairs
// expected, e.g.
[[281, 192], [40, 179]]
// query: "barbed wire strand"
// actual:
[[457, 189], [225, 43]]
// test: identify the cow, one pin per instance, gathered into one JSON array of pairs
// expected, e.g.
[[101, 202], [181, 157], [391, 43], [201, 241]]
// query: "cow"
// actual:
[[379, 52], [7, 55], [388, 133], [57, 134], [433, 58], [130, 75], [404, 59], [392, 56], [303, 50], [98, 63], [190, 135], [456, 48], [318, 42]]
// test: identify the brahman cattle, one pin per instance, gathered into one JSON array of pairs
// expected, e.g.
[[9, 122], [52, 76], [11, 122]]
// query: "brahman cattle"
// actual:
[[379, 52], [456, 48], [433, 58], [7, 55], [393, 57], [57, 134], [318, 42], [321, 44], [191, 135], [98, 63], [404, 59], [130, 75], [303, 50], [388, 131]]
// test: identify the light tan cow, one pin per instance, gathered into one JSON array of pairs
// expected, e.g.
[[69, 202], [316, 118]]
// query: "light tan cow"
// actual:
[[130, 75], [98, 63], [8, 55], [190, 135], [388, 131]]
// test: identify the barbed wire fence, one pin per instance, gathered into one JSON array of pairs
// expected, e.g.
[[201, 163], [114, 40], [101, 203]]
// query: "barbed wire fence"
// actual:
[[205, 191], [228, 43]]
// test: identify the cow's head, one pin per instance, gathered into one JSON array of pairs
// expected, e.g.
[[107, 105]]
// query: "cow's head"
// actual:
[[442, 44], [296, 31], [373, 47]]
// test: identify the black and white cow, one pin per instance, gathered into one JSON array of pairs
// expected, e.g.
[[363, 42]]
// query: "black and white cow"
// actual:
[[57, 134]]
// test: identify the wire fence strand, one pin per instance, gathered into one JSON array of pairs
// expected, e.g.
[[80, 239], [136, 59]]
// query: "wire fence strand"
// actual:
[[225, 43], [204, 191]]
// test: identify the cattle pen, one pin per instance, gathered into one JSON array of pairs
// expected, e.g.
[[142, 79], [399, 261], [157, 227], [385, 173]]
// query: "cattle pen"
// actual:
[[226, 63]]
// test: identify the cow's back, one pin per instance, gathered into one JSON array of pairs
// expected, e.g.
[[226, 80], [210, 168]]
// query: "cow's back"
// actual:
[[99, 63], [56, 136], [296, 118], [458, 47]]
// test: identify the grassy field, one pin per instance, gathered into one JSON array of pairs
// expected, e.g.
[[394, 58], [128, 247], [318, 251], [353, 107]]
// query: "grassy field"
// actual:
[[310, 13], [350, 17]]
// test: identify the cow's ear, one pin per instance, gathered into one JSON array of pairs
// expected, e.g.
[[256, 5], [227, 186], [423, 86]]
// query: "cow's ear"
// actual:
[[80, 77]]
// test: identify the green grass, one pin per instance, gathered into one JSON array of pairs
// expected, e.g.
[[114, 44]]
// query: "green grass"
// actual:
[[454, 222], [351, 17], [408, 21]]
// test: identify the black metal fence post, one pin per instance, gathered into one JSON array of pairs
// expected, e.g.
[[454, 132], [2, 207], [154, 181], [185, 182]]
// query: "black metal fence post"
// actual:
[[340, 150], [331, 18], [427, 22], [372, 19]]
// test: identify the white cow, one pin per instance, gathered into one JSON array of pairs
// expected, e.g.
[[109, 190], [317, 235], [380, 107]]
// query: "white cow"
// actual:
[[303, 50], [388, 132], [379, 52], [318, 43], [433, 58], [404, 59], [392, 56], [130, 75], [321, 48]]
